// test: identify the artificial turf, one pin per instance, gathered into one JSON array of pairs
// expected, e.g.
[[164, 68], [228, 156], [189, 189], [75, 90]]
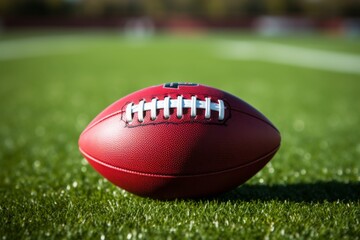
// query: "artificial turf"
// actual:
[[53, 84]]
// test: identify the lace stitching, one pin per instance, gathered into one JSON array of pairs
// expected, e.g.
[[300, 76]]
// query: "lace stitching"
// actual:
[[179, 104]]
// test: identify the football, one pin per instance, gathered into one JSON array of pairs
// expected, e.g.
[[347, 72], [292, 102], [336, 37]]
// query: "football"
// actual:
[[179, 140]]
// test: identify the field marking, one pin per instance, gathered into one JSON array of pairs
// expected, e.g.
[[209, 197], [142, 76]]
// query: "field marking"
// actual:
[[40, 46], [290, 55]]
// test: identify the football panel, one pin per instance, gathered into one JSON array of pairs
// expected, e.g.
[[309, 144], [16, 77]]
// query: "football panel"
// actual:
[[160, 92], [170, 187], [180, 149]]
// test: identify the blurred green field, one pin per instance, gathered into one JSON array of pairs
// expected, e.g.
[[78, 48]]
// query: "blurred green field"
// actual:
[[52, 85]]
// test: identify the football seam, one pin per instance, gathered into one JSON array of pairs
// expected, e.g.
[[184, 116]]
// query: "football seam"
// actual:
[[258, 118], [198, 122], [101, 120], [272, 152]]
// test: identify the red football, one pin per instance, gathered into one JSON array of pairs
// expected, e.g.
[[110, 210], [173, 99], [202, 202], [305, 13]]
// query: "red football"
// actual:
[[179, 140]]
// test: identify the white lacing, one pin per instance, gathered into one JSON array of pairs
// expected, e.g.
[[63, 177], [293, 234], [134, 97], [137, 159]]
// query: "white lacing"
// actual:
[[179, 103]]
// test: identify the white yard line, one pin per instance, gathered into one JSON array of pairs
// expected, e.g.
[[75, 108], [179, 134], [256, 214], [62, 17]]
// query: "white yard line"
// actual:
[[290, 55], [40, 46]]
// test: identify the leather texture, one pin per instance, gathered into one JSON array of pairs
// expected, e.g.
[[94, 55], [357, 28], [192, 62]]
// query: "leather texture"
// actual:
[[179, 157]]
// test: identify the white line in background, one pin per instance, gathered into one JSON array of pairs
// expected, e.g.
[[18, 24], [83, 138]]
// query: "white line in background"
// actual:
[[39, 46], [290, 55]]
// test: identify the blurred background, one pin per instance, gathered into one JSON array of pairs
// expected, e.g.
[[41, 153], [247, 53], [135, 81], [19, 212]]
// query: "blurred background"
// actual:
[[264, 16], [64, 61]]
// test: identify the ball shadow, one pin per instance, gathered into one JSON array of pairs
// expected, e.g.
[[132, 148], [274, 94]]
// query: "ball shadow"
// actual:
[[302, 192]]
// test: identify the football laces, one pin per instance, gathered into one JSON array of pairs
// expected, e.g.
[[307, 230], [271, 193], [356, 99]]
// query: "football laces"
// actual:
[[178, 103]]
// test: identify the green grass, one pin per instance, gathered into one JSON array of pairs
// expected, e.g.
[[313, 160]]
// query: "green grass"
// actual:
[[310, 190]]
